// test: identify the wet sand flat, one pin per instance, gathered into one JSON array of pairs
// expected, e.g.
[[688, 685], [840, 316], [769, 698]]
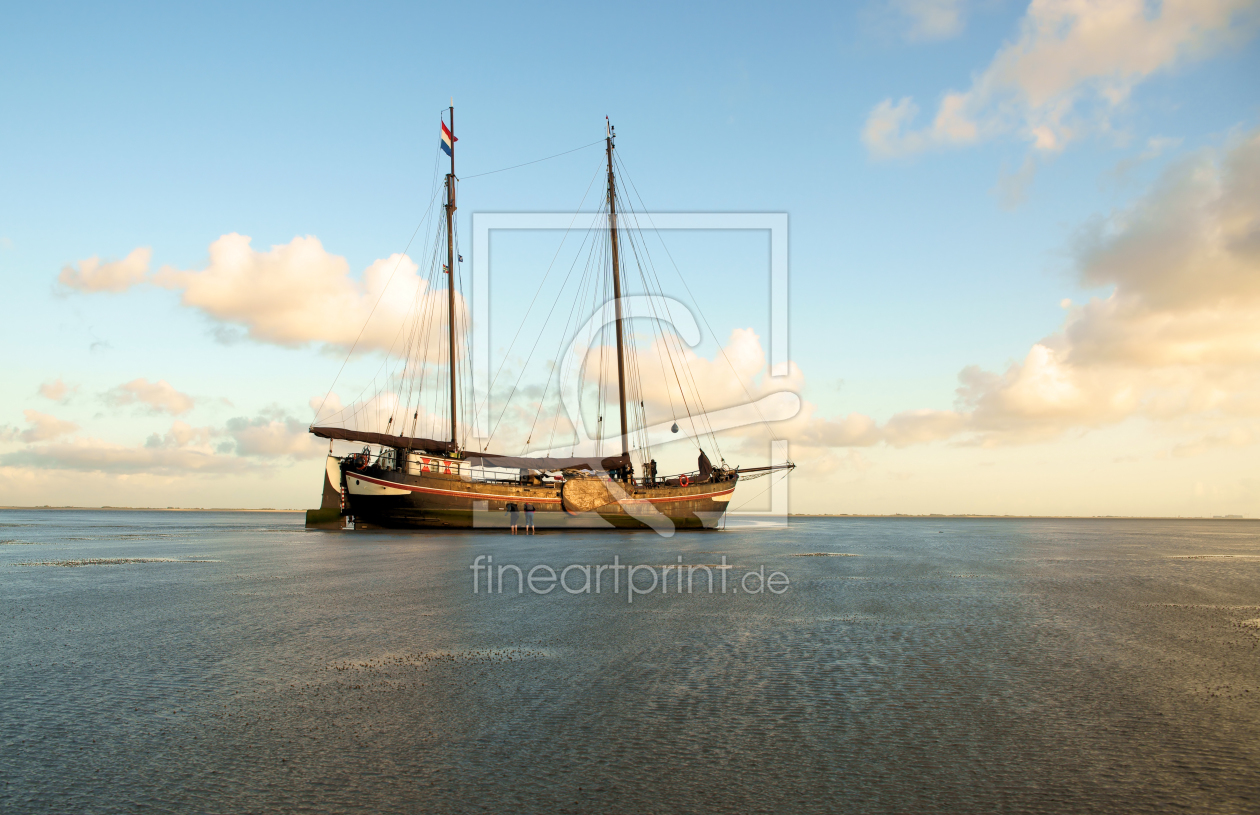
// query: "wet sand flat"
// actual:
[[235, 662]]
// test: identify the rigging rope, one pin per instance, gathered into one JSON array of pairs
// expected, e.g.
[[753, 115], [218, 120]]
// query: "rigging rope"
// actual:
[[758, 495], [535, 161], [695, 302], [413, 375], [507, 354], [687, 373], [384, 288]]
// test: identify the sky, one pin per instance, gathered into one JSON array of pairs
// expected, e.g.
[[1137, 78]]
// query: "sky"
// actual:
[[1024, 238]]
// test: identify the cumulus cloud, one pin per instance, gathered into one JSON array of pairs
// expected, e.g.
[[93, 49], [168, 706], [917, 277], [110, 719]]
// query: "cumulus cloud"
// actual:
[[92, 275], [1176, 339], [1179, 334], [183, 434], [273, 437], [291, 295], [56, 390], [738, 374], [44, 427], [95, 455], [1176, 336], [887, 133], [244, 444], [160, 396], [909, 427], [733, 376], [525, 418], [1073, 63], [298, 293]]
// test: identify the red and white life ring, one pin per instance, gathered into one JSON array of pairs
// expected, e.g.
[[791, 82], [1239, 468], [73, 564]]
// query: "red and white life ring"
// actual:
[[683, 480]]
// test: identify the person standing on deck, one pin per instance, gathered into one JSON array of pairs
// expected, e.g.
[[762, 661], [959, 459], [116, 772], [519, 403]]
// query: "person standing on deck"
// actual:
[[513, 515], [529, 518]]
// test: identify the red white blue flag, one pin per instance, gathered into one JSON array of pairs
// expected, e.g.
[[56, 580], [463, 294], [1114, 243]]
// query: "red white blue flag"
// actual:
[[448, 140]]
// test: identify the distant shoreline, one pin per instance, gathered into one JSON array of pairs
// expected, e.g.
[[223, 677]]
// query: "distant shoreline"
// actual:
[[158, 509], [932, 517], [938, 517]]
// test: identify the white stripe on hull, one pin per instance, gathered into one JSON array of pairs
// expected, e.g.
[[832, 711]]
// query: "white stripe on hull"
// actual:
[[371, 486]]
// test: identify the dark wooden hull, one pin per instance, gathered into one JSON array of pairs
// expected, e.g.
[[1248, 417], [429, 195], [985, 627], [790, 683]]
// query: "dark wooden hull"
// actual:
[[395, 500]]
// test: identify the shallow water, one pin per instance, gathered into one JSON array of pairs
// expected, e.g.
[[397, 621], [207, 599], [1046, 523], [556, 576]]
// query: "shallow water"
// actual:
[[234, 662]]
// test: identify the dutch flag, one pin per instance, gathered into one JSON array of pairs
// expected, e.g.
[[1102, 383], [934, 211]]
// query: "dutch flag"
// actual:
[[448, 141]]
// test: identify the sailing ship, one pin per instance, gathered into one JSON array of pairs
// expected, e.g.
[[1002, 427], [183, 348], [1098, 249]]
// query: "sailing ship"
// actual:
[[400, 480]]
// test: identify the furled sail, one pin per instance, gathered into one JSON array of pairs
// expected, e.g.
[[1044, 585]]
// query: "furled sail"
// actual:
[[476, 459], [404, 442]]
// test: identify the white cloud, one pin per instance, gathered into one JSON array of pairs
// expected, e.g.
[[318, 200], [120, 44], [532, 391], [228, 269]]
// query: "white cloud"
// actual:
[[245, 444], [56, 390], [903, 429], [298, 293], [44, 427], [738, 374], [887, 129], [114, 276], [1178, 336], [735, 375], [273, 437], [183, 434], [95, 455], [292, 294], [1072, 65], [160, 396]]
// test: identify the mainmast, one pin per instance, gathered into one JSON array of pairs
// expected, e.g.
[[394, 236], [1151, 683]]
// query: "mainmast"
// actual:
[[616, 276], [450, 270]]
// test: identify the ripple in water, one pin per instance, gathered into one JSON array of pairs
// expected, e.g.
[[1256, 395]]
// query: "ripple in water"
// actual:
[[1009, 665]]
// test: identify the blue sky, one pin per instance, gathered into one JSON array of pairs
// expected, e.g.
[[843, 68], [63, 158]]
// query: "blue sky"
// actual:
[[168, 127]]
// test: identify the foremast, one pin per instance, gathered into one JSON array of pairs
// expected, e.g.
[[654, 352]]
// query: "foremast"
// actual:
[[610, 135], [450, 271]]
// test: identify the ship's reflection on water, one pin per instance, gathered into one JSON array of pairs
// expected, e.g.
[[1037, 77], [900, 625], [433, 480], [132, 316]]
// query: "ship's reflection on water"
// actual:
[[237, 663]]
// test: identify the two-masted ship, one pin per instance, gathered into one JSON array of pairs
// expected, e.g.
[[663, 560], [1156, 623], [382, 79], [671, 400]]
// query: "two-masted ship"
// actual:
[[400, 480]]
